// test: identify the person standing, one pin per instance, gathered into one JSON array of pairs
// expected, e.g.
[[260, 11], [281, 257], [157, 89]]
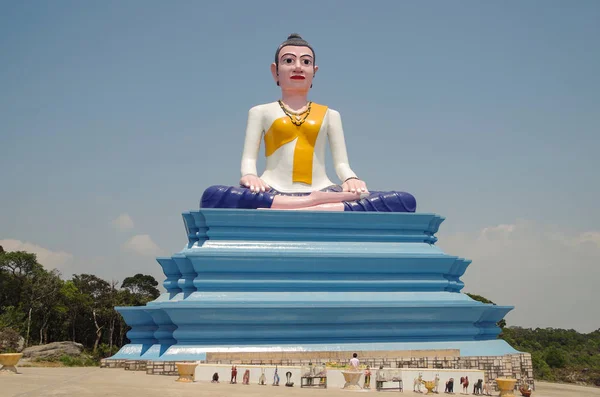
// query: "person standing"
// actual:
[[354, 362]]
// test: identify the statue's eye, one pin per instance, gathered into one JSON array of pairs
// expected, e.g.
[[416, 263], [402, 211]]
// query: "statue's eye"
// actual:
[[306, 61], [288, 60]]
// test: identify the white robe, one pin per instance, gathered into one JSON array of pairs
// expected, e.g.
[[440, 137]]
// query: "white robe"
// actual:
[[279, 165]]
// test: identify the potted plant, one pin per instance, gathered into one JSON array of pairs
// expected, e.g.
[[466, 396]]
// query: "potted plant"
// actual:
[[9, 343], [525, 390]]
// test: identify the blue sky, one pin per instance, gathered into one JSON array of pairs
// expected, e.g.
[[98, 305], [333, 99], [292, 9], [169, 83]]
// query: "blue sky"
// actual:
[[115, 116]]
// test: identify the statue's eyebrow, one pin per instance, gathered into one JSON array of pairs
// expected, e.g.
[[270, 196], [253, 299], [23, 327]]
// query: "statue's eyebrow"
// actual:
[[294, 55]]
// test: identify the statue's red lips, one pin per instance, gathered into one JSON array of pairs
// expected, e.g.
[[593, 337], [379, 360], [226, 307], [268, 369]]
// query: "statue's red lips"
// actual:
[[298, 77]]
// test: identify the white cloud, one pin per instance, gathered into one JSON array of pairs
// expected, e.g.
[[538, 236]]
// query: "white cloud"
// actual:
[[495, 232], [550, 275], [123, 222], [592, 238], [49, 259], [142, 244]]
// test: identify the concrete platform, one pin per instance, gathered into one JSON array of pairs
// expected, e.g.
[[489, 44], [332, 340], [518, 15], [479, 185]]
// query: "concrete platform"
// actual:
[[267, 281], [95, 382]]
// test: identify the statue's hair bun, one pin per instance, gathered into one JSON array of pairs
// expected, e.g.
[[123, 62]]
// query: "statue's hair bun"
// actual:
[[293, 39]]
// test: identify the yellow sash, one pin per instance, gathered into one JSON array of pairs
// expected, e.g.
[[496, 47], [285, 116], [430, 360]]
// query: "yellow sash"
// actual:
[[283, 131]]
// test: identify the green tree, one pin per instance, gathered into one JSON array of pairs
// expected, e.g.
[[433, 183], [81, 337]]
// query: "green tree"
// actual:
[[96, 301], [27, 285], [143, 286], [48, 286], [11, 317], [75, 303], [16, 270], [541, 369], [44, 308], [555, 358]]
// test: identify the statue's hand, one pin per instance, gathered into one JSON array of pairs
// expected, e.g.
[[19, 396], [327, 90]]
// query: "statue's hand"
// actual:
[[254, 183], [355, 186]]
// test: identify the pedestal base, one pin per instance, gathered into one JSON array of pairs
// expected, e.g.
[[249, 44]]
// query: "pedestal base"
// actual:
[[352, 378], [303, 281], [8, 369], [506, 386], [429, 385], [8, 362], [186, 372]]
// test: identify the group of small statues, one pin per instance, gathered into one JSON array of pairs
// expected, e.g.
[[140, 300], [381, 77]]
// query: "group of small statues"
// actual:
[[431, 385], [479, 387], [383, 375], [262, 380], [233, 380]]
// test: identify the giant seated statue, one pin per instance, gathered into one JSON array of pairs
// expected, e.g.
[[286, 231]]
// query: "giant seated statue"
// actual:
[[295, 133]]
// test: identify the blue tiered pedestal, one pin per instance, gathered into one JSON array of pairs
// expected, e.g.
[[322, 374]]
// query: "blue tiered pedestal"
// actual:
[[261, 280]]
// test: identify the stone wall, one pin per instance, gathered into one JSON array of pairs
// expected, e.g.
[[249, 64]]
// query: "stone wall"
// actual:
[[320, 356], [162, 368], [135, 365], [517, 366], [108, 363]]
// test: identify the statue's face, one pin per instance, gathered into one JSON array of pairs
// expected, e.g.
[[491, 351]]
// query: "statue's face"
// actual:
[[295, 69]]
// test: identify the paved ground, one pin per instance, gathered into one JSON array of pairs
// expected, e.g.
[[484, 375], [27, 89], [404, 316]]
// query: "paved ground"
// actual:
[[95, 382]]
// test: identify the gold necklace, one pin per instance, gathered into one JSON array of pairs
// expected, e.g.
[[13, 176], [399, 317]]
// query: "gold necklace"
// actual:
[[288, 110], [297, 118]]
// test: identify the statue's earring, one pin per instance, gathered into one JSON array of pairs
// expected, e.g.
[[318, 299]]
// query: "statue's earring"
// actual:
[[311, 86], [277, 83]]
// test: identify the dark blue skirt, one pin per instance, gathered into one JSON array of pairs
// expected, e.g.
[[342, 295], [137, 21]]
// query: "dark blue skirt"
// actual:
[[220, 196]]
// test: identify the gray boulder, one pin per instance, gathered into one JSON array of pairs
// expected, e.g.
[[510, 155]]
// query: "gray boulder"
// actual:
[[53, 350]]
